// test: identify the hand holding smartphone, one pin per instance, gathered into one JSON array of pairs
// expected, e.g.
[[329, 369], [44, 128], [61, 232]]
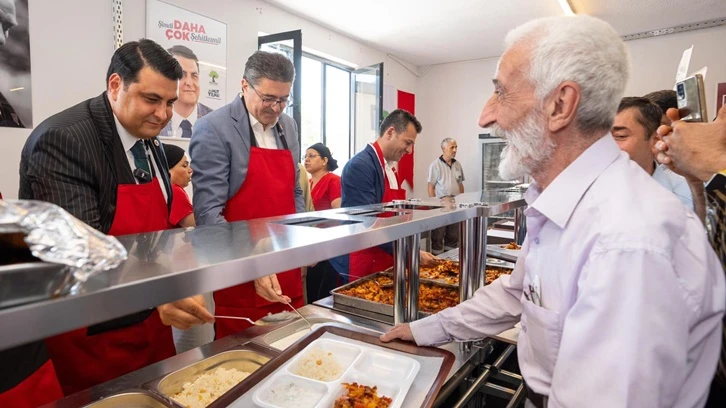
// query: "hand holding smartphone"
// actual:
[[691, 96]]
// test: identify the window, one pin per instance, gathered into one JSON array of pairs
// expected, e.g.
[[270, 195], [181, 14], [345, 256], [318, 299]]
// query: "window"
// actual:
[[337, 114], [326, 119]]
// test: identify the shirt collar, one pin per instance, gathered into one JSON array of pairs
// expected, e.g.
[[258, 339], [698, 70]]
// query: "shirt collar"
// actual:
[[453, 160], [558, 201], [256, 123], [127, 140], [176, 118]]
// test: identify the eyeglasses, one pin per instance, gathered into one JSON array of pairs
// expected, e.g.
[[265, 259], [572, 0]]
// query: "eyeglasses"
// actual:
[[272, 102], [311, 156]]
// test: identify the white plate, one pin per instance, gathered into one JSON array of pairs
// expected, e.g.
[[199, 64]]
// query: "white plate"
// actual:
[[392, 373]]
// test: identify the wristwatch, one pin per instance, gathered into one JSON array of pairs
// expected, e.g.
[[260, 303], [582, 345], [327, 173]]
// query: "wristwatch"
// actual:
[[717, 183]]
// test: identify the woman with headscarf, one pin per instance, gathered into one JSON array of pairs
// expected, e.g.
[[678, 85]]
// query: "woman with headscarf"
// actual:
[[326, 192], [324, 184], [182, 212]]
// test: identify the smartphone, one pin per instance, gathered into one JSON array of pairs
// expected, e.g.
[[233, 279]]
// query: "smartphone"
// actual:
[[691, 95]]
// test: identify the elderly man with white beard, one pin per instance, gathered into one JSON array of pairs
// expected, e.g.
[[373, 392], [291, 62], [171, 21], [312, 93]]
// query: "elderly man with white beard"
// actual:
[[620, 301]]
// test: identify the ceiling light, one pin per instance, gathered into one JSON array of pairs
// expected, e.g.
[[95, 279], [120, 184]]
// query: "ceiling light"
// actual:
[[566, 7], [17, 89]]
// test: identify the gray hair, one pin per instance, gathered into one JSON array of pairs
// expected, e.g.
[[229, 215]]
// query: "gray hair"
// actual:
[[446, 142], [582, 49], [270, 65]]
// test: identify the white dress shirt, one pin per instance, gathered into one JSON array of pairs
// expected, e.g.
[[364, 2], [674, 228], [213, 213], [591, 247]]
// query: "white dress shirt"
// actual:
[[265, 137], [176, 120], [632, 295], [128, 142], [674, 183]]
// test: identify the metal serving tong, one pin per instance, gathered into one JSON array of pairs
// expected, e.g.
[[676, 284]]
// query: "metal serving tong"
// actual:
[[237, 318], [300, 314]]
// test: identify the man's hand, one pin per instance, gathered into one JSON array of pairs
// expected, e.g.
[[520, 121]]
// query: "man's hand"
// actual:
[[400, 331], [694, 150], [268, 288], [427, 259], [185, 313]]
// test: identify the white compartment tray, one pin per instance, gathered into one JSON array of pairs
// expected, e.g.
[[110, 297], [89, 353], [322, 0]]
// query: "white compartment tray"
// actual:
[[392, 374]]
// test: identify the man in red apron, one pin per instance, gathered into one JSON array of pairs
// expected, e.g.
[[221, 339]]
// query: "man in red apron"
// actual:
[[244, 157], [369, 178], [101, 161]]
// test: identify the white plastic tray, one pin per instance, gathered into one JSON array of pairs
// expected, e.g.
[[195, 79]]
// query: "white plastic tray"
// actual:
[[393, 374]]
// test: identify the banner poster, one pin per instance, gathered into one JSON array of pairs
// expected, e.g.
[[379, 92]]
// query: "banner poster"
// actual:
[[199, 44], [16, 104]]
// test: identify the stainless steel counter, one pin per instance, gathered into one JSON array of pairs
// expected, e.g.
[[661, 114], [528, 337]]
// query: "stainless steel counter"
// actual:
[[252, 337], [169, 265]]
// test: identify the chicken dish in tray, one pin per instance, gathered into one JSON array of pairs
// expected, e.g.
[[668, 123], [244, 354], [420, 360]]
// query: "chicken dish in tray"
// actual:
[[361, 396], [432, 298], [448, 272]]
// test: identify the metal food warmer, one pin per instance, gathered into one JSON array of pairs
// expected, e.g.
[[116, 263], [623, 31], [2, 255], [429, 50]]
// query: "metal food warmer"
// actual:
[[169, 265]]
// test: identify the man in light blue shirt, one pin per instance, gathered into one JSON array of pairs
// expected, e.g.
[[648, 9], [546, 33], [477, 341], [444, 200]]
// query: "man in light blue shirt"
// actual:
[[634, 130]]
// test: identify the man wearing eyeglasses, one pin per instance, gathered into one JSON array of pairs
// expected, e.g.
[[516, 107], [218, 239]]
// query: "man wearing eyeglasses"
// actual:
[[245, 168]]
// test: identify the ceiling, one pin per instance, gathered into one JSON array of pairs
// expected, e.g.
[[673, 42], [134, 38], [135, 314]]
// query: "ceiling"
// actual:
[[426, 32]]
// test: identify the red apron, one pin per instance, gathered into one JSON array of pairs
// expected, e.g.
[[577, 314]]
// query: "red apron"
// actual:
[[38, 389], [372, 260], [83, 361], [266, 192]]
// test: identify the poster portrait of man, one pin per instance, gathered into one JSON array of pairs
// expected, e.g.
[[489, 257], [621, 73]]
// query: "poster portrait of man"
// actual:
[[16, 109]]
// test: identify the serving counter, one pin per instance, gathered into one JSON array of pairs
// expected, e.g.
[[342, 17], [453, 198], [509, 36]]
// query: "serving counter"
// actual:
[[169, 265]]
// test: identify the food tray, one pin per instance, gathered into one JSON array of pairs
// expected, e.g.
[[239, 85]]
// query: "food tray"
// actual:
[[131, 398], [33, 282], [499, 251], [371, 363], [371, 306], [249, 358]]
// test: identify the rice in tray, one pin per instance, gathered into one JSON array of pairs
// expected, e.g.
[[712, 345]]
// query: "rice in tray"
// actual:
[[291, 395], [208, 387], [318, 365]]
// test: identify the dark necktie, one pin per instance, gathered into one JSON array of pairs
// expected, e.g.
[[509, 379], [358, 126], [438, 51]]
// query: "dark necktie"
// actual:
[[141, 161], [186, 128]]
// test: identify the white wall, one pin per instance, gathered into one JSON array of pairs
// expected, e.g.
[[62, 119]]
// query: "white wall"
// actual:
[[450, 100], [655, 61], [451, 96]]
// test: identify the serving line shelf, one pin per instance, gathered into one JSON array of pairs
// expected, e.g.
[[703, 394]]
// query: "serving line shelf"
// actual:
[[256, 340], [169, 265]]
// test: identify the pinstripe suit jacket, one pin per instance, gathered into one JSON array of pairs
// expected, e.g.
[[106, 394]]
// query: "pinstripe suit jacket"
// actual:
[[75, 159]]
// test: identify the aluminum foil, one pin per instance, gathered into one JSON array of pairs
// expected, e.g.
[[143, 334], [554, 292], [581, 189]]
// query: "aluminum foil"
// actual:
[[53, 235]]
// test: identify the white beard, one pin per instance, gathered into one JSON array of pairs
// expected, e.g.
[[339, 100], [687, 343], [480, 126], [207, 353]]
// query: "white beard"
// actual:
[[527, 147]]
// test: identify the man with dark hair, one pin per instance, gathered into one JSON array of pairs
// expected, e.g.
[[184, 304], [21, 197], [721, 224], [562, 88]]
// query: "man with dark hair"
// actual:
[[369, 178], [245, 167], [634, 132], [187, 109], [665, 99], [101, 161]]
